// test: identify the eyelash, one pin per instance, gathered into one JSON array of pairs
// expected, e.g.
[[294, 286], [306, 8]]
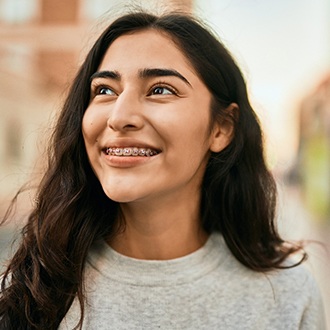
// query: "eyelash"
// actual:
[[96, 88], [161, 84]]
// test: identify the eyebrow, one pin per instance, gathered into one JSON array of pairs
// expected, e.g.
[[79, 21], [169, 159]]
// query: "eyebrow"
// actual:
[[144, 73], [105, 74]]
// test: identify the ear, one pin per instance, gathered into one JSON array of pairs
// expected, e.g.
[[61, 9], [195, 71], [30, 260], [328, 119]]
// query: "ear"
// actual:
[[222, 132]]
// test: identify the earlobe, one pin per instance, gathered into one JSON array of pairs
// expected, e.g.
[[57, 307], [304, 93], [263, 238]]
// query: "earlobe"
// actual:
[[223, 130]]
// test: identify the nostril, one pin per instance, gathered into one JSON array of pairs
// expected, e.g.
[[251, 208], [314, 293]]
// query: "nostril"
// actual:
[[129, 126]]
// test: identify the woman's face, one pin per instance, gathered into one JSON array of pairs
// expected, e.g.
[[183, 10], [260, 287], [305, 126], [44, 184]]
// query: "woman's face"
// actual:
[[147, 127]]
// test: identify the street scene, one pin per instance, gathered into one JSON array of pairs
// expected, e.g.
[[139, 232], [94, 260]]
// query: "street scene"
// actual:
[[286, 68]]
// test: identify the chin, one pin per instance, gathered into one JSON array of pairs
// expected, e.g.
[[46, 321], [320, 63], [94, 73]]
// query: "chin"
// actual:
[[121, 196]]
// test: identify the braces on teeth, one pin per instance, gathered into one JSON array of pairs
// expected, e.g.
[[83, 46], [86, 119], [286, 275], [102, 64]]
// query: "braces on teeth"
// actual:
[[131, 152]]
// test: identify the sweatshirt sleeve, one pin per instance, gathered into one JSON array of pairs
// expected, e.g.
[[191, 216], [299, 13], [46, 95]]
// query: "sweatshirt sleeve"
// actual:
[[314, 314]]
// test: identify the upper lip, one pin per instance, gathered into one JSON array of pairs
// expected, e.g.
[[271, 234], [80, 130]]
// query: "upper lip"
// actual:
[[129, 143]]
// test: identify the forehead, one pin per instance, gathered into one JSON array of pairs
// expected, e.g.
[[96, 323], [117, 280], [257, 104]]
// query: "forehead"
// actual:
[[147, 47]]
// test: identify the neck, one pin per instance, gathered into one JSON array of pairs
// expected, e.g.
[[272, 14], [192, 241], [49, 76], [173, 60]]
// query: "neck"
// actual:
[[162, 230]]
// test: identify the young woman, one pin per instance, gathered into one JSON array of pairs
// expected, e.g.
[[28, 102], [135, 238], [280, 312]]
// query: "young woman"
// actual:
[[157, 209]]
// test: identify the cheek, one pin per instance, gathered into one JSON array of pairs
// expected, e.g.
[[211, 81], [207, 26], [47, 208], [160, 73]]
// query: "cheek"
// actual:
[[193, 134], [90, 134], [188, 147], [91, 127]]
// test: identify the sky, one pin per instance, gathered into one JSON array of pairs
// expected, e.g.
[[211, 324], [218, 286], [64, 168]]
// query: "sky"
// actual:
[[283, 49]]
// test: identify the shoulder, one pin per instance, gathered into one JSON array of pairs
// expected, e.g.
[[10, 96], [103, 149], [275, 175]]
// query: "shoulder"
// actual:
[[287, 283], [293, 278], [298, 290], [295, 288], [283, 281], [287, 295]]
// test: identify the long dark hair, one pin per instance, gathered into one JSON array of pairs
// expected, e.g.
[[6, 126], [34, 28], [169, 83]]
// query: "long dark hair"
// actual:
[[238, 192]]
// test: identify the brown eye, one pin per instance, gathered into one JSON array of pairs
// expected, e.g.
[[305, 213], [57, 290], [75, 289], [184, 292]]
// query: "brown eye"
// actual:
[[162, 90], [105, 91]]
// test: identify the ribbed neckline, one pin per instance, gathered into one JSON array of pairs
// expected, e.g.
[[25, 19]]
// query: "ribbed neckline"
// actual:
[[118, 267]]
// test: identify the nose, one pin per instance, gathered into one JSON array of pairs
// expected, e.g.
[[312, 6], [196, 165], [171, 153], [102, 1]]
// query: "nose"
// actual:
[[126, 113]]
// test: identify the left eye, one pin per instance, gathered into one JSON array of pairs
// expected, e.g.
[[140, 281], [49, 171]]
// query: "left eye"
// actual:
[[162, 91], [106, 91]]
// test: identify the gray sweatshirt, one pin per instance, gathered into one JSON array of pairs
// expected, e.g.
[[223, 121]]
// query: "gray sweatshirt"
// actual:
[[208, 289]]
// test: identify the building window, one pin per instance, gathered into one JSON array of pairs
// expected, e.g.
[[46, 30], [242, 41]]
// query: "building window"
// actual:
[[18, 11]]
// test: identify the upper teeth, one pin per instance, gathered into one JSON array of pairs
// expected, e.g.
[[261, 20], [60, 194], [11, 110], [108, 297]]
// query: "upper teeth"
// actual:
[[131, 151]]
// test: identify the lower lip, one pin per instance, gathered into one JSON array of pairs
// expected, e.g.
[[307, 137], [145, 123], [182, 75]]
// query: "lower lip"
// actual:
[[127, 161]]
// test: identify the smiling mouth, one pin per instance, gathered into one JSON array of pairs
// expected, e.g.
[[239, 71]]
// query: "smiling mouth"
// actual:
[[131, 151]]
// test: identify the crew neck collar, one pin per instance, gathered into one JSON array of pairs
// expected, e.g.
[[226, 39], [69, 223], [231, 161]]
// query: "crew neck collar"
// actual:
[[116, 266]]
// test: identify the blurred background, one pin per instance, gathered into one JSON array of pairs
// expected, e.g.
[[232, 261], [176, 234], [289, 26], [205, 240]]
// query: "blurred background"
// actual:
[[282, 47]]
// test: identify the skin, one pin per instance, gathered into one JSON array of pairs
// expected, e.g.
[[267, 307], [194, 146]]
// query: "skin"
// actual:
[[159, 196]]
